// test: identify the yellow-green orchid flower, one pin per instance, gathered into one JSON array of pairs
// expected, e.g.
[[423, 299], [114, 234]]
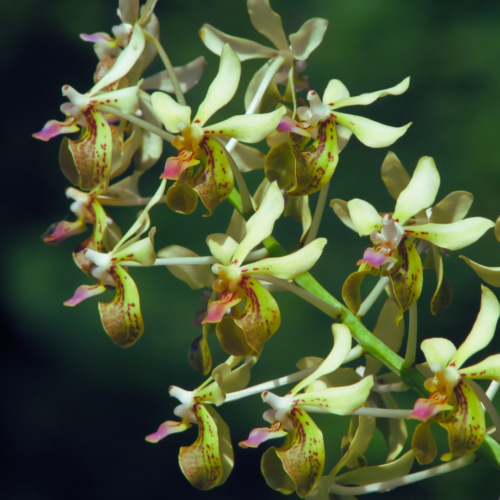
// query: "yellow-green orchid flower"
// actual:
[[246, 331], [392, 235], [213, 182], [315, 163], [293, 52], [91, 154], [122, 317], [299, 463], [452, 402], [209, 460]]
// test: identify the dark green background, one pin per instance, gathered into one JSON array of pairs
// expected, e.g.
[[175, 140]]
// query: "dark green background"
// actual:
[[75, 408]]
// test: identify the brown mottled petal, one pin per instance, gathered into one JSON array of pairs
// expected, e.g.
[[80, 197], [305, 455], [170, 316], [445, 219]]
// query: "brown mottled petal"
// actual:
[[67, 163], [406, 275], [443, 295], [351, 292], [466, 425], [214, 180], [423, 444], [316, 164], [92, 152], [394, 175], [181, 197], [122, 317], [201, 462], [279, 165], [199, 356], [302, 457]]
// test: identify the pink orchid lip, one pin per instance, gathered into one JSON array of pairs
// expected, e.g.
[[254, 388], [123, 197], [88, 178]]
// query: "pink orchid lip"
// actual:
[[261, 434], [96, 38], [54, 128], [218, 308], [427, 408], [84, 292], [173, 168], [168, 427], [375, 259]]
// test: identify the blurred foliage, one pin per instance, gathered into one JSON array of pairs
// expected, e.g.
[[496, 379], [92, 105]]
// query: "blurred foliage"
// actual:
[[75, 407]]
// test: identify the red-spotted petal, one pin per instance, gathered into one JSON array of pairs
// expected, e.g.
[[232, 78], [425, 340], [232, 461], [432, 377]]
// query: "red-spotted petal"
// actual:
[[62, 230], [122, 317]]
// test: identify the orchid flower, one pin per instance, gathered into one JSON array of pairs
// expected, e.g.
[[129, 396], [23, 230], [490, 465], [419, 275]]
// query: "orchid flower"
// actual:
[[92, 153], [122, 317], [393, 234], [293, 52], [209, 460], [315, 163], [245, 332], [452, 402], [299, 463], [213, 182]]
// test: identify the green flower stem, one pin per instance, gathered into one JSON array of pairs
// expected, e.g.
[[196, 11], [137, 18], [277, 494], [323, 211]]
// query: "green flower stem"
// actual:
[[168, 65]]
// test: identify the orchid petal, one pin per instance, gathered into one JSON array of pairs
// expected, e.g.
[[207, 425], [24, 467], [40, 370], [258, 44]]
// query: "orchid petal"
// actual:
[[218, 308], [342, 212], [394, 175], [489, 274], [245, 49], [378, 473], [223, 88], [406, 275], [388, 331], [122, 317], [351, 293], [364, 99], [423, 444], [307, 39], [126, 100], [222, 247], [260, 434], [424, 409], [267, 22], [298, 208], [342, 342], [358, 444], [141, 251], [271, 95], [214, 180], [125, 61], [53, 128], [279, 165], [248, 128], [247, 332], [182, 198], [147, 12], [375, 258], [99, 37], [84, 292], [200, 357], [92, 151], [261, 224], [337, 400], [452, 208], [128, 11], [236, 379], [61, 230], [466, 425], [335, 91], [452, 236], [364, 216], [316, 164], [421, 191], [188, 76], [167, 428], [201, 462], [302, 457], [369, 132], [196, 276], [438, 351], [443, 295], [488, 369], [483, 330], [246, 158], [170, 112], [289, 266]]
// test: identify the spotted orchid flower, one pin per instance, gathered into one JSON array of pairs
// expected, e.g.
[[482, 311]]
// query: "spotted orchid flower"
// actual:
[[314, 163], [122, 317], [393, 236], [213, 182], [452, 208], [293, 51], [92, 153], [452, 402], [209, 460], [245, 331], [299, 463]]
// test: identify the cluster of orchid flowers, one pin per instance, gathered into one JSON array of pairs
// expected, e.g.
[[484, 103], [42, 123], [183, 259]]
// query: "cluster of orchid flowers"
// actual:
[[121, 128]]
